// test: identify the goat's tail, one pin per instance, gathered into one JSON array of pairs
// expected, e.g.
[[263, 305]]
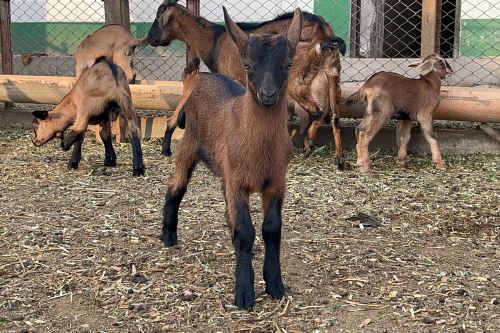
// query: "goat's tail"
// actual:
[[358, 96]]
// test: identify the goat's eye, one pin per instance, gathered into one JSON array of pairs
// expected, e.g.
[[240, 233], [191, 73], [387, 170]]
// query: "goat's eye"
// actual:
[[289, 65], [247, 66]]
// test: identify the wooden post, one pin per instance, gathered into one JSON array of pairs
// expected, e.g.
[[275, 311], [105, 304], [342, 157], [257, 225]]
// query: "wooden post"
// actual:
[[431, 27], [194, 7], [6, 42], [117, 12]]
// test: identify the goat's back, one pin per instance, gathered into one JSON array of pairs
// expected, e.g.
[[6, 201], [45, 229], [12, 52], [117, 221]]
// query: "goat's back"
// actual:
[[98, 85]]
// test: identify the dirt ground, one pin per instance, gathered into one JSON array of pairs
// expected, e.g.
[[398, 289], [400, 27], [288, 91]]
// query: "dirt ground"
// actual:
[[412, 250]]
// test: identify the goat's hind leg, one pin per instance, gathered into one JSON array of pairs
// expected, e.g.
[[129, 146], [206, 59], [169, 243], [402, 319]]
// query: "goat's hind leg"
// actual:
[[106, 137], [272, 202], [76, 155], [185, 163]]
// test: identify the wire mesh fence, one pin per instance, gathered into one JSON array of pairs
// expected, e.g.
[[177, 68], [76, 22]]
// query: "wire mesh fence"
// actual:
[[380, 34]]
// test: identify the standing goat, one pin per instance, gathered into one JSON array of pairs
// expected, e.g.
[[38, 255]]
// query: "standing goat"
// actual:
[[214, 46], [99, 96], [390, 94], [114, 42], [242, 135]]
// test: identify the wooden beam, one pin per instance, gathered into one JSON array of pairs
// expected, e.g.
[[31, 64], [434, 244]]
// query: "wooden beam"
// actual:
[[194, 7], [6, 41], [431, 27], [458, 103], [117, 12]]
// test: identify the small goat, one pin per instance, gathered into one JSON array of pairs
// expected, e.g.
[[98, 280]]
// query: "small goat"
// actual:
[[241, 134], [213, 45], [390, 94], [99, 96], [113, 42]]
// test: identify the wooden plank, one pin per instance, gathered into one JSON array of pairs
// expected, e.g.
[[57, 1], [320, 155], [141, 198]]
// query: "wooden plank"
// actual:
[[117, 12], [431, 27], [6, 41], [479, 104]]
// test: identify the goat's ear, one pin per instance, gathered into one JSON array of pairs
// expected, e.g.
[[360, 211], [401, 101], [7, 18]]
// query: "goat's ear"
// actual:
[[342, 46], [415, 64], [426, 66], [42, 115], [295, 28], [237, 35]]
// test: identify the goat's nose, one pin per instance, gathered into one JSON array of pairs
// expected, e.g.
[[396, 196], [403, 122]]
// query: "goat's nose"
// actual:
[[268, 93]]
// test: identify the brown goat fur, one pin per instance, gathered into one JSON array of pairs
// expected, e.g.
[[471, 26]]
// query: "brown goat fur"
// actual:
[[392, 95], [242, 135], [100, 95], [214, 46], [112, 41]]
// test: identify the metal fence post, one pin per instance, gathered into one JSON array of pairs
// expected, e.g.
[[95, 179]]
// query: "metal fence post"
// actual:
[[117, 12], [6, 41], [431, 27], [194, 7]]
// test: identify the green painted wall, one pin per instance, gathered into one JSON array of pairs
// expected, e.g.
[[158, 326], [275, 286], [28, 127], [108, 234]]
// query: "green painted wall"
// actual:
[[479, 37]]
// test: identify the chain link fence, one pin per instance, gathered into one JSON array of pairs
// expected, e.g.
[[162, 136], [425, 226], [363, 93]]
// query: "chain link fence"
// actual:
[[380, 34]]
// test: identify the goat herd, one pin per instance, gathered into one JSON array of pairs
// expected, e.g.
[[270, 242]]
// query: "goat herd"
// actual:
[[235, 118]]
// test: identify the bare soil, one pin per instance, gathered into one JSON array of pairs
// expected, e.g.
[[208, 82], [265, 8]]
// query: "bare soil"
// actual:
[[397, 250]]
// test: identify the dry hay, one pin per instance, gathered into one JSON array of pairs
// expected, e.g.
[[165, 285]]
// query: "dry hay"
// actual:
[[79, 250]]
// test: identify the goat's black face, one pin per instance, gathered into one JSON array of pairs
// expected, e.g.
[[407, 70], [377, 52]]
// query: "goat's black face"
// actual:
[[160, 32], [267, 60]]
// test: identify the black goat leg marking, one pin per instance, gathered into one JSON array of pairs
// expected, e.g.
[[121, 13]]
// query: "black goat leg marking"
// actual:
[[243, 238], [167, 141], [69, 139], [137, 161], [76, 155], [109, 152], [271, 233]]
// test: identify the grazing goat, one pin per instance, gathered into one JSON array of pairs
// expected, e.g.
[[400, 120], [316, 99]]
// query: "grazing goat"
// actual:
[[390, 94], [213, 45], [242, 135], [99, 96]]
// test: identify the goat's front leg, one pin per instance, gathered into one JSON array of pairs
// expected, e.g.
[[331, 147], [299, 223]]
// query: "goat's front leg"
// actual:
[[106, 137], [311, 135], [243, 234], [425, 120], [334, 98], [76, 155], [272, 203], [184, 166], [167, 137], [76, 132], [135, 142]]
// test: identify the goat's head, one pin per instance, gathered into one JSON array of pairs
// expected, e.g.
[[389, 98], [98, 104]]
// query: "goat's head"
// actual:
[[160, 32], [331, 44], [43, 128], [267, 58], [433, 62]]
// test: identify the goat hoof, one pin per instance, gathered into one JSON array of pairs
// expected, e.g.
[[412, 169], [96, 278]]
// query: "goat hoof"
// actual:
[[342, 164], [276, 289], [244, 299], [138, 172], [441, 166], [169, 239], [364, 169], [110, 163], [72, 165], [166, 152]]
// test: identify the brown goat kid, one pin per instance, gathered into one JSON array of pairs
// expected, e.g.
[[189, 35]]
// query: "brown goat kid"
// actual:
[[310, 79], [392, 95], [99, 96], [113, 42], [242, 135]]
